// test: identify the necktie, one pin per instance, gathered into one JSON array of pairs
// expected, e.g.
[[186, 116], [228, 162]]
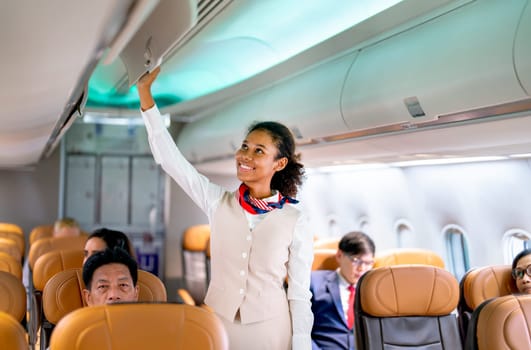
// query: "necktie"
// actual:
[[350, 310]]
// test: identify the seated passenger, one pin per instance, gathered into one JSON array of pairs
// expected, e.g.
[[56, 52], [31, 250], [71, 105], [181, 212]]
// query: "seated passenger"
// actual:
[[104, 238], [521, 271], [333, 293], [110, 276], [66, 227]]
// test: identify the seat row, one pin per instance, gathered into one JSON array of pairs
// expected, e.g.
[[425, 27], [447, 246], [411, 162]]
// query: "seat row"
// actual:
[[413, 306]]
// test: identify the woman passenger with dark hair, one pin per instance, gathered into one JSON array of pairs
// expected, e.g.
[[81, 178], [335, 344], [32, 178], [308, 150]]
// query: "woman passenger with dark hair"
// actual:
[[103, 238], [258, 234], [521, 271]]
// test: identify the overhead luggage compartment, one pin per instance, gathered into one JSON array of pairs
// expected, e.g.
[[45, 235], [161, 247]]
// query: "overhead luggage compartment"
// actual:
[[460, 61], [522, 51]]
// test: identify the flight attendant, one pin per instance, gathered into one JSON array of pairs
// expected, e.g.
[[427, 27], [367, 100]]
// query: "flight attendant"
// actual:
[[258, 234]]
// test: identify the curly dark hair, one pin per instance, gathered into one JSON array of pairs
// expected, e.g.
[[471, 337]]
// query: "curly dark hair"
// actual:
[[287, 180]]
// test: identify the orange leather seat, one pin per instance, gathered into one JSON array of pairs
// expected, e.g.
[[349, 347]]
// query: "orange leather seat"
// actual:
[[9, 264], [327, 243], [140, 326], [501, 323], [48, 264], [185, 296], [324, 259], [10, 246], [407, 306], [195, 243], [18, 238], [12, 334], [10, 227], [479, 285], [405, 256], [12, 296], [63, 294], [41, 231], [46, 245]]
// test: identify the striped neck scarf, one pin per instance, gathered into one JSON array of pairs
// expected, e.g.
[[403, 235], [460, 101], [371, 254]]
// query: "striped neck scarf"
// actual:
[[259, 206]]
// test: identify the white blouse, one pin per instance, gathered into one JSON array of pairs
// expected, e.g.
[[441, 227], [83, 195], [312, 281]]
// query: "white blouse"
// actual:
[[207, 196]]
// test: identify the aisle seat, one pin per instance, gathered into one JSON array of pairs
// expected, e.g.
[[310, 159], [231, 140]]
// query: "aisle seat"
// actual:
[[140, 326], [406, 306], [405, 256], [479, 285]]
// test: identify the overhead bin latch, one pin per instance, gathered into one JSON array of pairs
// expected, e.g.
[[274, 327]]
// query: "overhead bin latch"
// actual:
[[414, 108]]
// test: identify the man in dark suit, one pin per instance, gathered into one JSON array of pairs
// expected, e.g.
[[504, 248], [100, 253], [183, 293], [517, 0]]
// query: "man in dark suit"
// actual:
[[333, 293]]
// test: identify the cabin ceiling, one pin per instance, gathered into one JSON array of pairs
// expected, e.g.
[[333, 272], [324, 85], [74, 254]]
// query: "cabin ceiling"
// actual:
[[235, 58]]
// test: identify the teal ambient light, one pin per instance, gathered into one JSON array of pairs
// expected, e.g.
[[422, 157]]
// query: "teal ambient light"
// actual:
[[257, 36]]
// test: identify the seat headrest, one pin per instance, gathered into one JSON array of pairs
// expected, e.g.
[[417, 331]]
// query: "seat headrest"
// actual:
[[327, 243], [487, 282], [49, 244], [9, 264], [41, 231], [408, 290], [406, 256], [12, 296], [63, 294], [504, 323], [140, 326], [17, 237], [324, 259], [48, 264], [9, 246], [195, 238], [150, 287], [12, 333]]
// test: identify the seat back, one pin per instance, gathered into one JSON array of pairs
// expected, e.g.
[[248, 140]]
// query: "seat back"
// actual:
[[140, 326], [12, 296], [10, 246], [41, 231], [18, 238], [327, 243], [195, 242], [501, 323], [324, 259], [64, 292], [45, 245], [10, 227], [407, 306], [48, 264], [406, 256], [12, 334], [479, 285], [9, 264]]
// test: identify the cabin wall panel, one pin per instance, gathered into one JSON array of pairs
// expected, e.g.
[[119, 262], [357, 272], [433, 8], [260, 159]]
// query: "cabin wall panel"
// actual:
[[30, 197]]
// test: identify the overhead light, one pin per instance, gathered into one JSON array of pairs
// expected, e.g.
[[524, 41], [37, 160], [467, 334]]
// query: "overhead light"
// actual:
[[443, 161], [90, 118], [521, 155], [346, 168]]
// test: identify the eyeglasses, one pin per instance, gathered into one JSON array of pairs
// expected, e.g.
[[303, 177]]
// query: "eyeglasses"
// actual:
[[519, 273], [359, 262]]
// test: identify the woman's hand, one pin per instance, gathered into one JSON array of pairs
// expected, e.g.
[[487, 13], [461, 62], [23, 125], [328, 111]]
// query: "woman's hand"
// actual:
[[144, 89], [147, 79]]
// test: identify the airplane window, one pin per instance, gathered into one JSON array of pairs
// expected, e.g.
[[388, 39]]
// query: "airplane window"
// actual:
[[456, 250], [364, 225], [514, 241], [405, 234]]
